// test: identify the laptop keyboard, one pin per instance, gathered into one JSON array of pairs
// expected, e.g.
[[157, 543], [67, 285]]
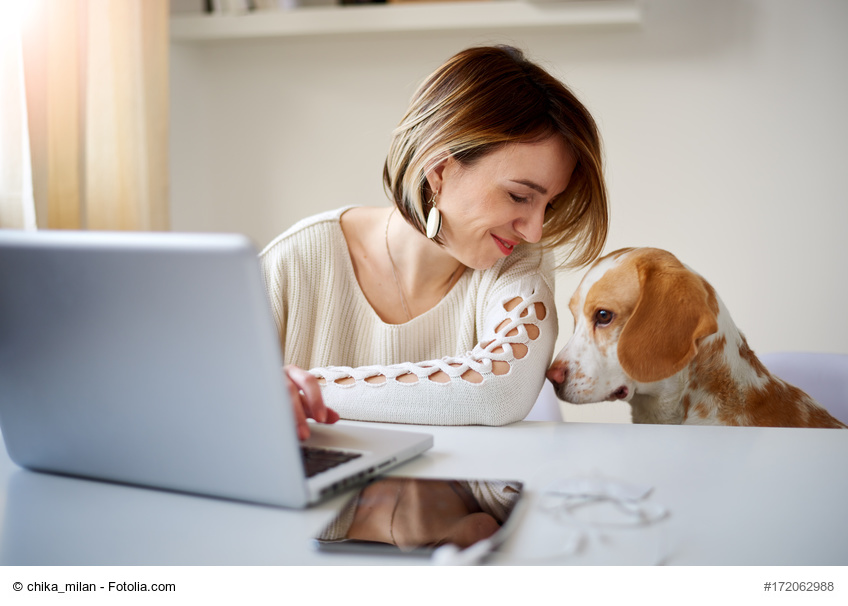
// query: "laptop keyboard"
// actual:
[[316, 460]]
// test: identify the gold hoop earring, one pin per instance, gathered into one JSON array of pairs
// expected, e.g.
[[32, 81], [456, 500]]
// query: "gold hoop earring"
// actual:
[[434, 219]]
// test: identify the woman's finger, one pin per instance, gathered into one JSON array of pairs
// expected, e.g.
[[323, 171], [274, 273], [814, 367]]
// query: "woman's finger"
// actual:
[[297, 404], [311, 398]]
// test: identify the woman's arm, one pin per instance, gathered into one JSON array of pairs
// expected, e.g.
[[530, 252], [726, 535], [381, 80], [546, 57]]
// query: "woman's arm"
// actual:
[[494, 384]]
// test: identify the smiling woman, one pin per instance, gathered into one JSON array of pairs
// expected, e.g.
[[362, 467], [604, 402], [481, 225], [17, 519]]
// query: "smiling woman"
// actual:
[[440, 309], [482, 99], [501, 199]]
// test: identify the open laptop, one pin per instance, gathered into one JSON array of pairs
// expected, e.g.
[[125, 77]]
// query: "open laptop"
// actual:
[[152, 359]]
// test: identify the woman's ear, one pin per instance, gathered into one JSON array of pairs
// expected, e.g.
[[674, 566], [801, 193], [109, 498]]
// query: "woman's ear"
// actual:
[[436, 175]]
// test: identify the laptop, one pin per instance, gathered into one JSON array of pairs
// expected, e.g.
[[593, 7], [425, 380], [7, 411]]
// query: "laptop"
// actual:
[[152, 359]]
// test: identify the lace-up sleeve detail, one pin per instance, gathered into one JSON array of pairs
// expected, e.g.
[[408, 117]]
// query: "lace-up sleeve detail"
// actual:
[[495, 383]]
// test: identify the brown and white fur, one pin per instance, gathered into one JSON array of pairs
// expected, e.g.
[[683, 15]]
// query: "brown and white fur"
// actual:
[[650, 331]]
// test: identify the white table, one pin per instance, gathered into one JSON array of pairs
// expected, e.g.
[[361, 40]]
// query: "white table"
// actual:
[[736, 496]]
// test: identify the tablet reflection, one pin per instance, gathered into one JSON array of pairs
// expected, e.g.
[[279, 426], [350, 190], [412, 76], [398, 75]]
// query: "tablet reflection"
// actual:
[[417, 515]]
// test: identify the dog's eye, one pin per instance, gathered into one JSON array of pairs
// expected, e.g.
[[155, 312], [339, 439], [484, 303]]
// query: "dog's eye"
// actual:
[[603, 317]]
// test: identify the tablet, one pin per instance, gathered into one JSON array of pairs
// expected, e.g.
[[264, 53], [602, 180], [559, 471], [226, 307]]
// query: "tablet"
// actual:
[[415, 516]]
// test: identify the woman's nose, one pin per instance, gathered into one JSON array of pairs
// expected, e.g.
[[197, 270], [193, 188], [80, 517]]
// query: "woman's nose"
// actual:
[[529, 225]]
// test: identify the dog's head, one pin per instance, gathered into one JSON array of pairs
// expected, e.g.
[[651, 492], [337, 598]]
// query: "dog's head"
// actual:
[[639, 315]]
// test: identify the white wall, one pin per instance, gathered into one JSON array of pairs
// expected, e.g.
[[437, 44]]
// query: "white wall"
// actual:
[[724, 122]]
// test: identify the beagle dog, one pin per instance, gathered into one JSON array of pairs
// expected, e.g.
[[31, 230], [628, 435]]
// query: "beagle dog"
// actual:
[[651, 332]]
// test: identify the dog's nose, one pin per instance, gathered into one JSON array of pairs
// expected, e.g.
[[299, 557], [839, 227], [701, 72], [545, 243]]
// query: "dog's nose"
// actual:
[[556, 373]]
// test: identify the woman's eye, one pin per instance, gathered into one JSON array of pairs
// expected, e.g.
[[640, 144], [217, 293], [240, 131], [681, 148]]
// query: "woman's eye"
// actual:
[[603, 317], [517, 198]]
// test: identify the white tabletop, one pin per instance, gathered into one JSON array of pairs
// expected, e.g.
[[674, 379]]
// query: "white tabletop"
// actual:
[[735, 496]]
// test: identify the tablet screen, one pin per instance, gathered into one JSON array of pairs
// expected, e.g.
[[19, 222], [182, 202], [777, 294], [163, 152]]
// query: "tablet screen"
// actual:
[[417, 515]]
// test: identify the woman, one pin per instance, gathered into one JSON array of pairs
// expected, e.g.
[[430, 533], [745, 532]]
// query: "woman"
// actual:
[[440, 309]]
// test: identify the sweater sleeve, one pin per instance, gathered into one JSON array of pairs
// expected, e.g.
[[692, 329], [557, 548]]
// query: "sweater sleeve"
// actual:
[[495, 383]]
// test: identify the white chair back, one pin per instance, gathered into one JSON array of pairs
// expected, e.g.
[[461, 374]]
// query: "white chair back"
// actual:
[[546, 407], [822, 375]]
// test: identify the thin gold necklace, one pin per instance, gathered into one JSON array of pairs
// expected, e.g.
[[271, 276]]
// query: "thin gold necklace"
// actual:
[[395, 276], [394, 270]]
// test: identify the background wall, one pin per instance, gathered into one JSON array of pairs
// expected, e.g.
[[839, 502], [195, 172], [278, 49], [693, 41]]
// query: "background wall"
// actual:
[[724, 122]]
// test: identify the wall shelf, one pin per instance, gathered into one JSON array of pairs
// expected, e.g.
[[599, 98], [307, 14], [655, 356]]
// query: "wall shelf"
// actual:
[[406, 17]]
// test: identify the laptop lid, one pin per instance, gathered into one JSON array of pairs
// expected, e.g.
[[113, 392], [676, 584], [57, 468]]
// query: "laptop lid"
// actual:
[[152, 359]]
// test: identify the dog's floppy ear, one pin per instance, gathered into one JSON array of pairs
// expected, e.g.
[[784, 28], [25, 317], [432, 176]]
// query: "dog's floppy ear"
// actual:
[[675, 310]]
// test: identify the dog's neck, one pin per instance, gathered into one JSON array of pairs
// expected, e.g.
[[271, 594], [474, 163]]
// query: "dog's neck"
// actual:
[[711, 389], [649, 407]]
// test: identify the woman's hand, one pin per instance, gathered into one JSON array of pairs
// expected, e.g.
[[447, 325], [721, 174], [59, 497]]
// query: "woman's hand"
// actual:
[[307, 401]]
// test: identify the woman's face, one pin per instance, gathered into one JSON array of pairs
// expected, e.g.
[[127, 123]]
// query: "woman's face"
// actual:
[[500, 200]]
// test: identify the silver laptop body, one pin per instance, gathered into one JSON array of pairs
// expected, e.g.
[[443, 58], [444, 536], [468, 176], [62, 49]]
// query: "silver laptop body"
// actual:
[[152, 359]]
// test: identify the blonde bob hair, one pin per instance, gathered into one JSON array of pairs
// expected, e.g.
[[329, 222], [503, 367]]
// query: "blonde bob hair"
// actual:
[[479, 100]]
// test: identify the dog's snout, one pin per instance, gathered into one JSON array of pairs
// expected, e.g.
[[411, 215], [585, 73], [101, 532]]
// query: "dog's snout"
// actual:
[[556, 373]]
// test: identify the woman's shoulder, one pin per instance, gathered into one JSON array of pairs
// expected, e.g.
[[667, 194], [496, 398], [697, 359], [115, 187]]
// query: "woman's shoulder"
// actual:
[[307, 228]]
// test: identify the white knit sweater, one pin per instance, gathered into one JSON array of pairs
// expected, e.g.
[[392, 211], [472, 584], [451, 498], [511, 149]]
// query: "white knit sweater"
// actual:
[[326, 325]]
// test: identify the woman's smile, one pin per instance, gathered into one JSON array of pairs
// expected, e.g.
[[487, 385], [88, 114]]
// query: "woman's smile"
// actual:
[[506, 246]]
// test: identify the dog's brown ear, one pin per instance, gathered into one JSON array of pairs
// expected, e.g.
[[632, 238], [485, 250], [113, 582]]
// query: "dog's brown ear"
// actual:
[[676, 309]]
